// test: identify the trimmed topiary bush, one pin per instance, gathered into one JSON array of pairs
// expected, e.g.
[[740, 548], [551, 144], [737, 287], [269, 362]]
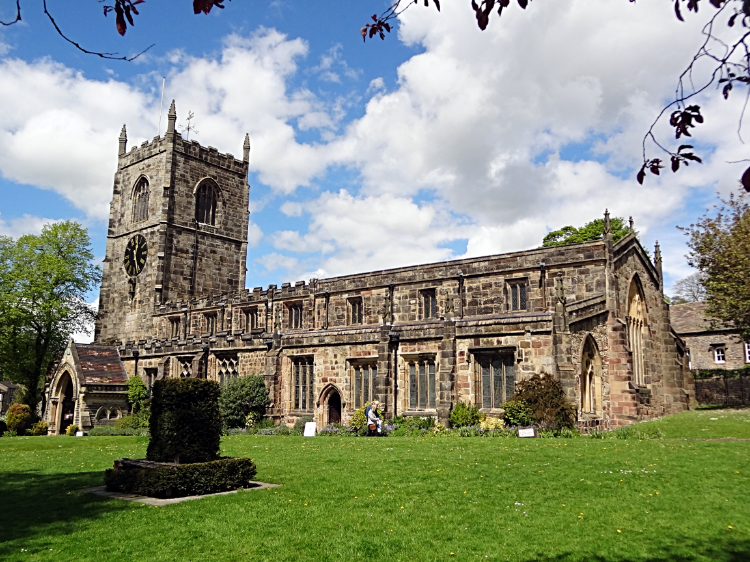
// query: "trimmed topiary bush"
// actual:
[[71, 430], [39, 428], [186, 422], [464, 415], [546, 399], [164, 481], [242, 399]]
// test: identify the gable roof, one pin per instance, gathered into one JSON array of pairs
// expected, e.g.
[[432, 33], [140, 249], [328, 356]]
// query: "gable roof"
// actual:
[[690, 318], [100, 364]]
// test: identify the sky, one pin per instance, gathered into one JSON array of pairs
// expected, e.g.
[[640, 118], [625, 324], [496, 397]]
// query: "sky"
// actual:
[[441, 142]]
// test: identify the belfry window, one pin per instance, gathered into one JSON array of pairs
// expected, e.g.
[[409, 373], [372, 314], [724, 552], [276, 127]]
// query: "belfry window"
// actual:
[[496, 380], [140, 201], [205, 204], [210, 324], [303, 381], [251, 318], [175, 327], [364, 384], [422, 390]]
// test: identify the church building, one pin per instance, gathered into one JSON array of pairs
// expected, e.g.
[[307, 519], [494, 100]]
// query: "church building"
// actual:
[[419, 339]]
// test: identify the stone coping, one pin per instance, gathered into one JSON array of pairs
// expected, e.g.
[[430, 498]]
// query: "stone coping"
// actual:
[[102, 491]]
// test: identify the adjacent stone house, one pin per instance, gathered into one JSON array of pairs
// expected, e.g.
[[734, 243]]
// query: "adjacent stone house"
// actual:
[[419, 339], [7, 391], [714, 347]]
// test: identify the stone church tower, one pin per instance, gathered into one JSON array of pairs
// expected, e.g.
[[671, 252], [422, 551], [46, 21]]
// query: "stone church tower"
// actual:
[[177, 231]]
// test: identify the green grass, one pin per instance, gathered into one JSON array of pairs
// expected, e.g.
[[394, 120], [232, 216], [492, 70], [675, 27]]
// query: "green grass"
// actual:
[[399, 499]]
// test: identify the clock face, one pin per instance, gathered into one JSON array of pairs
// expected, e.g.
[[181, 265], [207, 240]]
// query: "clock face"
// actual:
[[135, 255]]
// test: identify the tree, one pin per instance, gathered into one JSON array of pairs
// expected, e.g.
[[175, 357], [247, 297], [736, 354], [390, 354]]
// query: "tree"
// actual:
[[43, 283], [690, 289], [137, 394], [720, 250], [242, 397], [590, 231]]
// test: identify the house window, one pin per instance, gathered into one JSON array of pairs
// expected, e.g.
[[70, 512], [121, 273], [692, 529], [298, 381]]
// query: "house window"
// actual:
[[355, 310], [720, 355], [205, 204], [422, 384], [251, 318], [227, 369], [295, 316], [302, 379], [140, 201], [518, 296], [429, 303], [174, 324], [364, 384], [497, 381], [747, 352], [210, 324]]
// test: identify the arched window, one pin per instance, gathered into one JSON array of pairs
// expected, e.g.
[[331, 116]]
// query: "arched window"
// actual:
[[591, 381], [140, 201], [205, 204], [636, 325]]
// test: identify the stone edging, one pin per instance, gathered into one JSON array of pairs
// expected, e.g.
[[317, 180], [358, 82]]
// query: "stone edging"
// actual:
[[102, 491]]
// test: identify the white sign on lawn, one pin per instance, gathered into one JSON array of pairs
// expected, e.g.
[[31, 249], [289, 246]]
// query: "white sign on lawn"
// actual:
[[310, 429]]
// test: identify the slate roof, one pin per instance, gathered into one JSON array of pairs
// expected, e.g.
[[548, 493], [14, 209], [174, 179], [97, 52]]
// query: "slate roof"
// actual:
[[100, 364], [690, 318]]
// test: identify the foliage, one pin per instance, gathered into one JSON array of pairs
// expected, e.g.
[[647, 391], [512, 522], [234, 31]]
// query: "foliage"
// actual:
[[489, 424], [299, 425], [109, 431], [359, 420], [183, 479], [546, 399], [589, 232], [517, 413], [10, 433], [465, 415], [18, 417], [720, 249], [71, 430], [39, 428], [263, 423], [243, 399], [137, 394], [689, 289], [186, 422], [635, 431], [141, 420], [44, 281]]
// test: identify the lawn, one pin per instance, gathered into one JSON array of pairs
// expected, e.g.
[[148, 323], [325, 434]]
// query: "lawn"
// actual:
[[434, 498]]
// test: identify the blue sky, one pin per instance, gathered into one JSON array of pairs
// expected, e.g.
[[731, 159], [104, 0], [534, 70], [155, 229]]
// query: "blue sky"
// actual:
[[440, 142]]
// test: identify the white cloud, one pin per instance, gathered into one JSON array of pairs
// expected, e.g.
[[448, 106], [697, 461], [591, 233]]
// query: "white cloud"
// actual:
[[376, 84], [273, 262], [254, 234], [25, 224], [291, 209]]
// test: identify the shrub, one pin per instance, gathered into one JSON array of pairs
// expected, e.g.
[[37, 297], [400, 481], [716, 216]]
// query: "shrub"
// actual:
[[181, 480], [265, 423], [299, 425], [242, 398], [135, 421], [488, 424], [137, 394], [469, 431], [10, 433], [39, 428], [18, 417], [517, 413], [109, 431], [546, 398], [186, 423], [71, 430], [359, 420], [463, 415]]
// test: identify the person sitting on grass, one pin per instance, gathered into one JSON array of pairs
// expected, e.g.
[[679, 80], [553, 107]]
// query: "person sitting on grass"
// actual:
[[373, 419]]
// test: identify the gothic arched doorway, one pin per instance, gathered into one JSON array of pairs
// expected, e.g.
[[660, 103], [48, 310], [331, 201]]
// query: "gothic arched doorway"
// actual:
[[334, 407], [67, 405]]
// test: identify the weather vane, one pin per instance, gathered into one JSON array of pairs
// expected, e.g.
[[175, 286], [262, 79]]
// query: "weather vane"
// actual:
[[189, 127]]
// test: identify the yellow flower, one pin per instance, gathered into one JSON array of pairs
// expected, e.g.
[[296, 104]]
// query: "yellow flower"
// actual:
[[402, 507], [451, 554], [729, 525], [619, 531]]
